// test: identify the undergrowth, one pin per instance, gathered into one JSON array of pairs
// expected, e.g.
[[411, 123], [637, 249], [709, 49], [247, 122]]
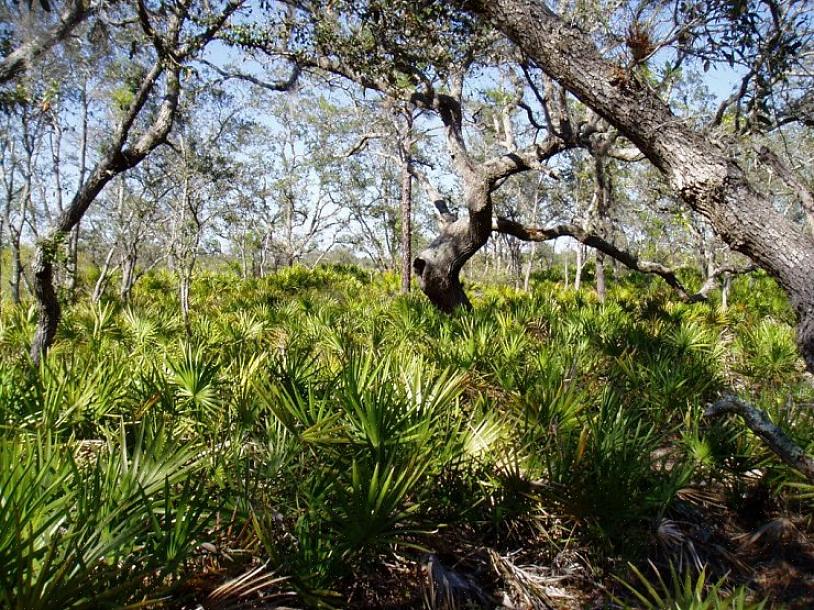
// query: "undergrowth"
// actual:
[[315, 426]]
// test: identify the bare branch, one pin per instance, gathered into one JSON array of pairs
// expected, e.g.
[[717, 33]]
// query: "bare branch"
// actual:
[[529, 158], [75, 12], [759, 423], [520, 231], [770, 159], [438, 200], [280, 85], [362, 143]]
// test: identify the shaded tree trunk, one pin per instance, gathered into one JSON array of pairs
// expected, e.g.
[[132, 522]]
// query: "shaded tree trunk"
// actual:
[[16, 271], [117, 160], [438, 266], [128, 277], [72, 266], [49, 308]]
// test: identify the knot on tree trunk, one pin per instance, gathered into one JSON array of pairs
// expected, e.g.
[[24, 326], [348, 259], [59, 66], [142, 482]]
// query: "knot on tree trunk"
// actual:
[[441, 283]]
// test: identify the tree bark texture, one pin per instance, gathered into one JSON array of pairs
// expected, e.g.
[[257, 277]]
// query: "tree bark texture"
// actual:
[[118, 159], [74, 13], [439, 265], [699, 170], [759, 423], [49, 309], [601, 289]]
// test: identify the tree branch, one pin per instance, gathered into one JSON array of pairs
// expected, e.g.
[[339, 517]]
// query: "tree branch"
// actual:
[[439, 201], [516, 229], [771, 160], [759, 423], [15, 62], [280, 85]]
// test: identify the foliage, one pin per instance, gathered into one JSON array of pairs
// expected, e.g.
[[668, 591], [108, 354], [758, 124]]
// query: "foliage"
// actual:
[[326, 426], [686, 592]]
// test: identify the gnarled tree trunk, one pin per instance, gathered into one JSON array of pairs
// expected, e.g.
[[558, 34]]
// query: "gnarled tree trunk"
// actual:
[[439, 265], [700, 171]]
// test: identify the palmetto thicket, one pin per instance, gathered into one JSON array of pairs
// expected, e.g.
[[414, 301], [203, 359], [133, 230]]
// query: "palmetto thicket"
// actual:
[[314, 428]]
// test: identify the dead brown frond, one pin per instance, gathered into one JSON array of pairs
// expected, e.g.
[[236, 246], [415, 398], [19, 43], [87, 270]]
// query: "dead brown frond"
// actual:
[[530, 590], [672, 536], [772, 534], [639, 42], [447, 589], [706, 498], [260, 585]]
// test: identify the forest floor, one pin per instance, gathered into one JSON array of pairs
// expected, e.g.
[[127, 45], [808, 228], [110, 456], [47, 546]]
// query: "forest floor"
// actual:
[[315, 440]]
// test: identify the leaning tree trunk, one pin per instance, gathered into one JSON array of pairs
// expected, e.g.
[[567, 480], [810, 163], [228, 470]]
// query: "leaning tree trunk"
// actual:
[[700, 171], [438, 266], [104, 273], [119, 158]]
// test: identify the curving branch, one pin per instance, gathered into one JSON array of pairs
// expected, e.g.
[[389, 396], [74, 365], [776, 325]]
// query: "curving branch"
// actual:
[[445, 216], [589, 238], [285, 84], [698, 169], [759, 423]]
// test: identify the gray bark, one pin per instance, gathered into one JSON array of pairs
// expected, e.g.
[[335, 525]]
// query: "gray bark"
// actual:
[[608, 248], [698, 169], [600, 277], [74, 13], [118, 159], [104, 272], [578, 267], [406, 226], [759, 423]]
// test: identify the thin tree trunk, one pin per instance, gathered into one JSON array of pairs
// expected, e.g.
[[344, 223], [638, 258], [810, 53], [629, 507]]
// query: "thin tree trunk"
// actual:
[[73, 260], [184, 294], [725, 291], [600, 276], [565, 266], [579, 265], [128, 277], [16, 271], [99, 288], [529, 263], [406, 225]]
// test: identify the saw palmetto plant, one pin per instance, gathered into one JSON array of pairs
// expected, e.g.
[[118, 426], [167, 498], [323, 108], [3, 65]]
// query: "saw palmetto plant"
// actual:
[[310, 429]]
